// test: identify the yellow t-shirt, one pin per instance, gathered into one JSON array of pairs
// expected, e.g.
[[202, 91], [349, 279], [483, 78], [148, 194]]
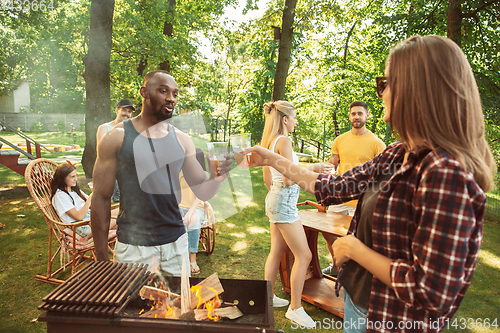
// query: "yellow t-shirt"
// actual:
[[354, 150], [188, 196]]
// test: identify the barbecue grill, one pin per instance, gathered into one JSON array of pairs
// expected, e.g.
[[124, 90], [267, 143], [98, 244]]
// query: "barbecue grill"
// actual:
[[104, 298]]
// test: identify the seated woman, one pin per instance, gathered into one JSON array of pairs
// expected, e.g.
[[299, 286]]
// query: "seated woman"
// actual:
[[191, 209], [71, 204]]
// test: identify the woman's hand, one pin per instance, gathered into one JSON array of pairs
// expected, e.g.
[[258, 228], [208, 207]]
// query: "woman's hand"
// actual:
[[260, 155], [350, 248], [323, 168], [343, 248]]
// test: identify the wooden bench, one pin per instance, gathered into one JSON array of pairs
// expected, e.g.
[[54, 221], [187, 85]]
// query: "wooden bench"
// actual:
[[319, 289]]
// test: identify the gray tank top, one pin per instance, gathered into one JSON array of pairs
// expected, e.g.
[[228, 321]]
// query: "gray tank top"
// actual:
[[148, 177]]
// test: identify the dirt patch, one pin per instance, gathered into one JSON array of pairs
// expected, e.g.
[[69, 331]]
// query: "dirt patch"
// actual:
[[16, 192]]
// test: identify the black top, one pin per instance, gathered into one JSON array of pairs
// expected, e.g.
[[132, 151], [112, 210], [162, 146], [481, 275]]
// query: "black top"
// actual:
[[148, 177], [356, 280]]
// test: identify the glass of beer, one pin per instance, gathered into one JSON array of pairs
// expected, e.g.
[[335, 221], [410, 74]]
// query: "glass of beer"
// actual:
[[239, 142], [216, 152]]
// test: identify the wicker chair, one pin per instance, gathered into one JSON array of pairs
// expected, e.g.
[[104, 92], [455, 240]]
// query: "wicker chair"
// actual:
[[38, 176], [207, 231]]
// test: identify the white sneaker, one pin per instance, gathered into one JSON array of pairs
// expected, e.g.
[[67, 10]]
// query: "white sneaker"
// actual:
[[279, 302], [300, 317]]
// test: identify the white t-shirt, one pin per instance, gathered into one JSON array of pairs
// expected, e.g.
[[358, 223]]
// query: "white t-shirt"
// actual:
[[63, 203]]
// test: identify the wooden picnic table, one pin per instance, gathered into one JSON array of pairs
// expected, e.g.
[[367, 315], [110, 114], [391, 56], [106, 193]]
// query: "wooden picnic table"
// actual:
[[319, 289]]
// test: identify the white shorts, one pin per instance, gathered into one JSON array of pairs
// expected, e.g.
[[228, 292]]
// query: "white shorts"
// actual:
[[170, 256]]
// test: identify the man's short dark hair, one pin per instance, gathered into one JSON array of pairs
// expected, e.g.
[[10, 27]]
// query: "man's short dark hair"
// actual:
[[358, 103], [150, 75]]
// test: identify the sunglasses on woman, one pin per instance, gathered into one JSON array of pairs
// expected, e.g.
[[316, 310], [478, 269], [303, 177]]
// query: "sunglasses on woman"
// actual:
[[381, 85]]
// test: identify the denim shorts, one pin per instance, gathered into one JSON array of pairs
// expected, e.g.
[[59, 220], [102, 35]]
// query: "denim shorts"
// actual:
[[281, 204], [84, 230]]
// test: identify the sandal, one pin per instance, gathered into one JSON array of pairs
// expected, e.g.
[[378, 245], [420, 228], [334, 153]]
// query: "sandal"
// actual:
[[194, 268]]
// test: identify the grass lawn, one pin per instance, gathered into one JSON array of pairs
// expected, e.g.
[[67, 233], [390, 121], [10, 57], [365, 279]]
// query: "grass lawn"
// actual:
[[242, 245]]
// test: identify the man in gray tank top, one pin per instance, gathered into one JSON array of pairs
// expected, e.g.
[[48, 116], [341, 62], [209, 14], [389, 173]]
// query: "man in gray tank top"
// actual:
[[146, 154]]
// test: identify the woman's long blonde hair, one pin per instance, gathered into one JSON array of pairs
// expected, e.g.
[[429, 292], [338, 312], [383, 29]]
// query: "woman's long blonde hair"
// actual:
[[275, 111], [435, 98]]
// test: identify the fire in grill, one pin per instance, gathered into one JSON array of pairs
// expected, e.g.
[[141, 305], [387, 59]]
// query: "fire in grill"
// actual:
[[104, 298]]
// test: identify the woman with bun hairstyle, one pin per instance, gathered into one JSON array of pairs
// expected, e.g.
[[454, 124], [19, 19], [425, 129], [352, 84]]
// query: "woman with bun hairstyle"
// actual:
[[281, 208]]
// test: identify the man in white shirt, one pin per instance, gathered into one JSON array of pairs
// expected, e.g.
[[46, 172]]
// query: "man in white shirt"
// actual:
[[124, 109]]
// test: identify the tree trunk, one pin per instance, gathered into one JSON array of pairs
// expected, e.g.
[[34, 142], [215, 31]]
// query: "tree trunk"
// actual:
[[285, 50], [143, 63], [454, 22], [344, 66], [96, 75], [168, 30]]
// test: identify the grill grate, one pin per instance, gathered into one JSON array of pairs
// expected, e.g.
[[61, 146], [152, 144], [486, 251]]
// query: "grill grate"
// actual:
[[104, 288]]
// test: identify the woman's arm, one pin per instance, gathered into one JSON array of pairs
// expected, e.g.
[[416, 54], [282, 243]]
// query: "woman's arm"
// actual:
[[350, 248], [303, 177], [284, 148], [80, 214], [188, 221], [266, 174]]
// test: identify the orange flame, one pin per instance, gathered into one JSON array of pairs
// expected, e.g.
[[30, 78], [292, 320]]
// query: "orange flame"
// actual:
[[212, 305], [197, 291]]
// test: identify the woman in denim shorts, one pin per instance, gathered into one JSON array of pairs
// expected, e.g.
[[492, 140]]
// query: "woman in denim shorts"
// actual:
[[281, 208]]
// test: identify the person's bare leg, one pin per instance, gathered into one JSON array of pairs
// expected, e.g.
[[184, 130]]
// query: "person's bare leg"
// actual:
[[329, 242], [195, 269], [295, 237], [278, 248]]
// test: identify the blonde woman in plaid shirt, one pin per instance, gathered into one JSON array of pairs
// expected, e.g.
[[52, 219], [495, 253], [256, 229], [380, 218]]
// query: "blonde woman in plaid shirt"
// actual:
[[415, 240]]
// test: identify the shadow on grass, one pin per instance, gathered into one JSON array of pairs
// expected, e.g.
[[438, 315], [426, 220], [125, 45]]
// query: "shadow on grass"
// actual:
[[241, 249]]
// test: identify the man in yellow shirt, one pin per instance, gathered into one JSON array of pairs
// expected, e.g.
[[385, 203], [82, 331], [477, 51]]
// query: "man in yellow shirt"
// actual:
[[351, 149]]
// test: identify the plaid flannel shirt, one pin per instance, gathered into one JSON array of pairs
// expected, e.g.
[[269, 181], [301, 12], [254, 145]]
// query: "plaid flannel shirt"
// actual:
[[428, 219]]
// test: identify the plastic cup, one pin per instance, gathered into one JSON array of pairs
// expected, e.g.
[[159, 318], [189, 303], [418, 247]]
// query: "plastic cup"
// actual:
[[239, 142], [216, 152]]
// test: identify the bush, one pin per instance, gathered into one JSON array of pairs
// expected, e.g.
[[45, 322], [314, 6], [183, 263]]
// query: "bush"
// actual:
[[38, 127], [60, 125]]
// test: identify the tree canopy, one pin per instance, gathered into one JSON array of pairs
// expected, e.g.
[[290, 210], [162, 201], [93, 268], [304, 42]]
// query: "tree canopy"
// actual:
[[337, 49]]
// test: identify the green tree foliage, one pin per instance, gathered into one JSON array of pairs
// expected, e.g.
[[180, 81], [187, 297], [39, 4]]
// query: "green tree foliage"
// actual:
[[45, 48], [338, 48], [139, 44]]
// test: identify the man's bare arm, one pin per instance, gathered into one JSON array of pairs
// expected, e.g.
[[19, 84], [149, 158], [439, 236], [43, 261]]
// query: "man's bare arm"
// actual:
[[204, 188], [335, 160], [101, 130], [104, 179]]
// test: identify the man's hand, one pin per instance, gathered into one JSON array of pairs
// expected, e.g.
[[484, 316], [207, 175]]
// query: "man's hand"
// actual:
[[222, 168]]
